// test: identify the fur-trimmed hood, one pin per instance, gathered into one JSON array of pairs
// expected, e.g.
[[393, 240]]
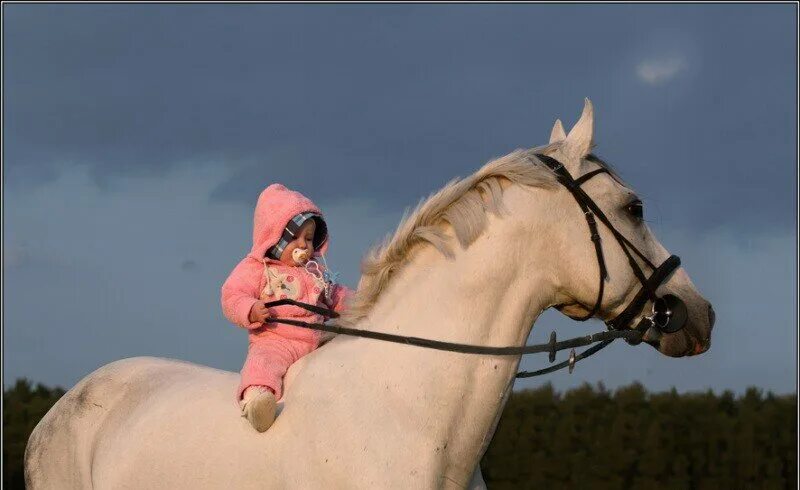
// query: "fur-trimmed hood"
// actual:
[[275, 207]]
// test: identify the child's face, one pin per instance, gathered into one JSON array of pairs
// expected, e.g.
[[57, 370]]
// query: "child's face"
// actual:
[[304, 240]]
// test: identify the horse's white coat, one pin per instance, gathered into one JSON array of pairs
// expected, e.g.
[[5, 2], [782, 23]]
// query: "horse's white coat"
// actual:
[[361, 413]]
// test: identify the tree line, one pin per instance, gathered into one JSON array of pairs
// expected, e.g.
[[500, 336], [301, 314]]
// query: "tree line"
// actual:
[[588, 437], [632, 439], [23, 406]]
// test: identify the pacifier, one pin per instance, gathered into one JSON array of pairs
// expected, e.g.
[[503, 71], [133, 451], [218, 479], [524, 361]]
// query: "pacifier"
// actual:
[[300, 256], [312, 266], [314, 269]]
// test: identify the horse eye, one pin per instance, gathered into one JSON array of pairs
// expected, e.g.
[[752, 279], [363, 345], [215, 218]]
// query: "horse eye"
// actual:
[[636, 209]]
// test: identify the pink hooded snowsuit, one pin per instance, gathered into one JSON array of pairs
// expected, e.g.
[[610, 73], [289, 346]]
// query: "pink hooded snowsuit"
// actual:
[[275, 346]]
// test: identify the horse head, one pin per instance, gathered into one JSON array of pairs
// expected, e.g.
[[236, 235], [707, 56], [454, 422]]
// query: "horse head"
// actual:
[[674, 316]]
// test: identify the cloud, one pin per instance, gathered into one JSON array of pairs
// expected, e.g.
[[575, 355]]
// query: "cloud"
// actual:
[[393, 119], [658, 71]]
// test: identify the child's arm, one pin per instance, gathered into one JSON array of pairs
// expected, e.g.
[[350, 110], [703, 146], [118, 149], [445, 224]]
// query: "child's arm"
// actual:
[[240, 293]]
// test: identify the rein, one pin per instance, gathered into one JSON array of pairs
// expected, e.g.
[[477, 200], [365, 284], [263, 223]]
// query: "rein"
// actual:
[[551, 347]]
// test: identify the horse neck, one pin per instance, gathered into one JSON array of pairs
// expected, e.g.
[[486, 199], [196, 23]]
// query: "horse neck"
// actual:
[[483, 296]]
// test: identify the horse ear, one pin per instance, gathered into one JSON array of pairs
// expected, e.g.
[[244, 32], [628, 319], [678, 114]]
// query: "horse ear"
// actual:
[[579, 141], [557, 134]]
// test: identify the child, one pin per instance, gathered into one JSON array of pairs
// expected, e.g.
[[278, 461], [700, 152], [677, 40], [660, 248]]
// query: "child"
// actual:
[[289, 236]]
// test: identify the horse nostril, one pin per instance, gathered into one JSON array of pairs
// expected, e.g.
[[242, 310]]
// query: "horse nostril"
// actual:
[[711, 316]]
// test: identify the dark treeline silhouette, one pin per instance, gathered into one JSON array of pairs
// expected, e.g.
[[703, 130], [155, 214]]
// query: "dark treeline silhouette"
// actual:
[[585, 438], [629, 439], [23, 407]]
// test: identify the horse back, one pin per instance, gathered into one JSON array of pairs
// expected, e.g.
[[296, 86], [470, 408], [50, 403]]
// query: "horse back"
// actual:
[[61, 448]]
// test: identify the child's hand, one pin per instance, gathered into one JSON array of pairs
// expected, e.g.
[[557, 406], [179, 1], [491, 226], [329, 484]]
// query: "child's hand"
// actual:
[[259, 312]]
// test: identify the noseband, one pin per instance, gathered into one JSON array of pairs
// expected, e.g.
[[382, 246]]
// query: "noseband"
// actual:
[[668, 314]]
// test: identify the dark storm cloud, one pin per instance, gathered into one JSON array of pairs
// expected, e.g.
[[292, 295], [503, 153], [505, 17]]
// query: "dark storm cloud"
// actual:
[[391, 101]]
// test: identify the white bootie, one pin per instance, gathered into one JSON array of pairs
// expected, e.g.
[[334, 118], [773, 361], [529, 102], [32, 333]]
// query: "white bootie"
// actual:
[[259, 406]]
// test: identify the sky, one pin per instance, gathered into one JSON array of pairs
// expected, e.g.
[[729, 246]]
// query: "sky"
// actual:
[[137, 138]]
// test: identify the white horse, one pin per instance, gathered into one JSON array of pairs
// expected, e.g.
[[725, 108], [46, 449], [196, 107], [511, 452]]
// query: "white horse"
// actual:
[[476, 263]]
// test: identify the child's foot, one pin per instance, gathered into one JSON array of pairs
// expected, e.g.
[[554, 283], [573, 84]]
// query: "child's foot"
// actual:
[[259, 408]]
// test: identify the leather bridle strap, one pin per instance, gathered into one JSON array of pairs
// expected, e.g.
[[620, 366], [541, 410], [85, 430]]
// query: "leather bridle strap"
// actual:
[[581, 198], [590, 210], [585, 203], [649, 285], [464, 348], [571, 361], [551, 347], [583, 178], [326, 312], [648, 289]]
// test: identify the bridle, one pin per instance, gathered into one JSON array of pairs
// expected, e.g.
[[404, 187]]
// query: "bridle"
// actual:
[[668, 314]]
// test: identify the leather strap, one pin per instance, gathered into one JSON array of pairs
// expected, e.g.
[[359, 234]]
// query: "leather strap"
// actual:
[[645, 293], [561, 365], [573, 187], [583, 178], [306, 306], [553, 346], [441, 345], [590, 209]]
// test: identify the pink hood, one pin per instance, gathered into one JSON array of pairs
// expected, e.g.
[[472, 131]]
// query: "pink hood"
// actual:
[[275, 207]]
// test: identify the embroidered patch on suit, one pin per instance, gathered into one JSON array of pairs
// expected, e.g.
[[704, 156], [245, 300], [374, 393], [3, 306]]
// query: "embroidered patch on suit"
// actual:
[[280, 286]]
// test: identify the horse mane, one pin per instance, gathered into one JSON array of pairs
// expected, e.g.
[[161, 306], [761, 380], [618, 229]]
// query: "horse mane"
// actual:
[[463, 203]]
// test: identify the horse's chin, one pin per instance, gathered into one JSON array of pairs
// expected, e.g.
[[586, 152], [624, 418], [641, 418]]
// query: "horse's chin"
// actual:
[[680, 345]]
